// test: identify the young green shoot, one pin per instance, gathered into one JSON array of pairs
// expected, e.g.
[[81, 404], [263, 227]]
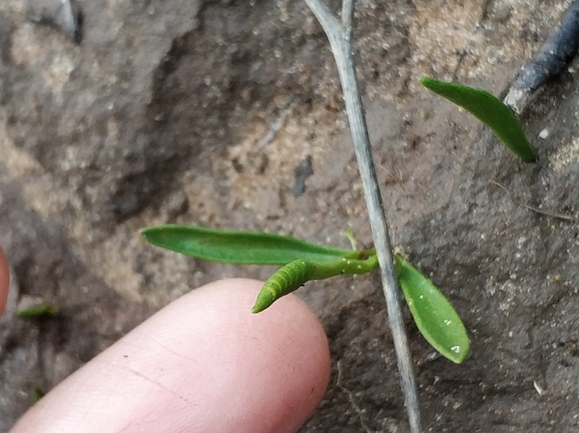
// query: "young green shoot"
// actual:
[[38, 311], [295, 274], [303, 261]]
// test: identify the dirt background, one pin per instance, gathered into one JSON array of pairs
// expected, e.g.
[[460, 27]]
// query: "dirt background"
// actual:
[[200, 111]]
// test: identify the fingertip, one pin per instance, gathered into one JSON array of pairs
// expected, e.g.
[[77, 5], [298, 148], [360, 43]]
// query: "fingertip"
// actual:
[[296, 333], [264, 300], [203, 363]]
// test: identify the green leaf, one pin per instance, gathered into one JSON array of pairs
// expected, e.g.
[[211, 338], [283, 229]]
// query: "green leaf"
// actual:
[[239, 247], [435, 317], [292, 276], [489, 110], [38, 311]]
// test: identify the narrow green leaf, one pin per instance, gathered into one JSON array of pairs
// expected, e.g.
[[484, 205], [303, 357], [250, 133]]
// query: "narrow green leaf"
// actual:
[[292, 276], [38, 311], [239, 247], [489, 110], [435, 317]]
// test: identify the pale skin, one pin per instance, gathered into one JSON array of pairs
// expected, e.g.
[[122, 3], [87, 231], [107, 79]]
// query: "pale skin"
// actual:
[[202, 364]]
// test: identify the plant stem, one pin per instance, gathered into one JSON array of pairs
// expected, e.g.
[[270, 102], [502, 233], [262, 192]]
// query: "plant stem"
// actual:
[[339, 38], [348, 7]]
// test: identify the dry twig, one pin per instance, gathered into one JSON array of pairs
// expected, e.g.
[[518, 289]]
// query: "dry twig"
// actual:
[[548, 63], [531, 208], [352, 400], [339, 37]]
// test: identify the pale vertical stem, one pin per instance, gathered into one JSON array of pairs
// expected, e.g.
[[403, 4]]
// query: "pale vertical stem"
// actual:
[[348, 7], [340, 44]]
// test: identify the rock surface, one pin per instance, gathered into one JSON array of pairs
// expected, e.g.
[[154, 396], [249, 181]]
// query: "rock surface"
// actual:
[[199, 112]]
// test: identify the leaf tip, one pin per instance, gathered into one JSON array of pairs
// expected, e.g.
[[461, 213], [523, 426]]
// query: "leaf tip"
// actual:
[[427, 81], [264, 300], [146, 231], [152, 235], [258, 307], [459, 353], [534, 157], [144, 234]]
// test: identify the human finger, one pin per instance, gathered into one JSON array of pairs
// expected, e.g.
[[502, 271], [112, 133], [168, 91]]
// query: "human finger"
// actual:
[[204, 363]]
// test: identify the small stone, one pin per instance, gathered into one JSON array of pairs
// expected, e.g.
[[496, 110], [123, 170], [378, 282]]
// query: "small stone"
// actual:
[[176, 205]]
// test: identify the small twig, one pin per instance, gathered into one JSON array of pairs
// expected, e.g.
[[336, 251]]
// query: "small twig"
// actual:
[[352, 399], [548, 63], [531, 208], [276, 126], [341, 47], [348, 7]]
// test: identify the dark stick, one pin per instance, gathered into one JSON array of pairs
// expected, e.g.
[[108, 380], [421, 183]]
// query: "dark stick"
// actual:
[[549, 62]]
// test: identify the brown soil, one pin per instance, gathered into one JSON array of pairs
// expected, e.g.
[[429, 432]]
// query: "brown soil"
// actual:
[[199, 112]]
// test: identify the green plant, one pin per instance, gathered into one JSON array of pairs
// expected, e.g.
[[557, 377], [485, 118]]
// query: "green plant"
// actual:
[[489, 110], [38, 311], [302, 261]]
